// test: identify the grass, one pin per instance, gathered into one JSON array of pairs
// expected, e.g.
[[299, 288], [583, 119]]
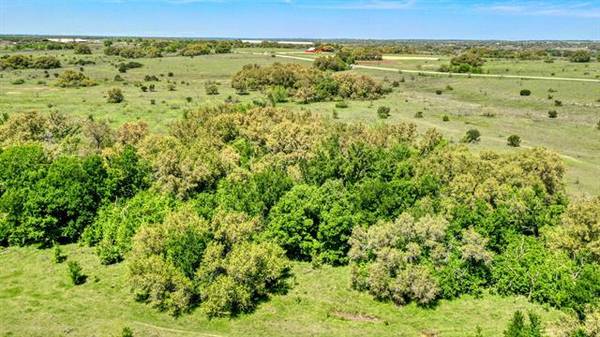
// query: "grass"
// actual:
[[38, 299], [572, 134]]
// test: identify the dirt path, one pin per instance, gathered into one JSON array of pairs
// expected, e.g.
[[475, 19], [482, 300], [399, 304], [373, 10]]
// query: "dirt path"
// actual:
[[395, 70], [176, 331]]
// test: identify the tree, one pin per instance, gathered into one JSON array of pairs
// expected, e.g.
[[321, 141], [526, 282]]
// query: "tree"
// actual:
[[75, 273], [581, 56]]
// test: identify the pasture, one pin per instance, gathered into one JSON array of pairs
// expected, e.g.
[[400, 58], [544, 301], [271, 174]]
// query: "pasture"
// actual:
[[492, 105]]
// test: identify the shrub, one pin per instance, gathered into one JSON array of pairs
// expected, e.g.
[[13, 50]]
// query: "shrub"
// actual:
[[58, 256], [127, 332], [211, 88], [557, 103], [29, 62], [438, 92], [472, 136], [82, 49], [333, 63], [76, 273], [525, 92], [517, 326], [445, 118], [115, 95], [18, 81], [552, 114], [419, 114], [186, 261], [72, 79], [383, 112], [123, 67], [277, 94], [514, 141], [581, 56]]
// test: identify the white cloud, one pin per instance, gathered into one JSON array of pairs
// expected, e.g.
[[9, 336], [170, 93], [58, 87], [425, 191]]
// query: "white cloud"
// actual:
[[544, 8]]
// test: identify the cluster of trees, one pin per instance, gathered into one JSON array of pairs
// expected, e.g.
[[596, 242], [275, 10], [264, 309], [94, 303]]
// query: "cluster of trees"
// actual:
[[467, 62], [19, 61], [209, 213], [306, 84], [206, 48], [132, 52], [333, 63]]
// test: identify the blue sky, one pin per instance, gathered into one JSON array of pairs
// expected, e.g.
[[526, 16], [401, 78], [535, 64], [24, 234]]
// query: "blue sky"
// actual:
[[382, 19]]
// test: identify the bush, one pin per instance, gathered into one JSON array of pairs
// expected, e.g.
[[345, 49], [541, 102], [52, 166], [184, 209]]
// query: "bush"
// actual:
[[18, 81], [29, 62], [383, 112], [82, 49], [525, 92], [472, 136], [419, 114], [514, 141], [277, 94], [127, 332], [75, 273], [445, 118], [58, 256], [552, 114], [211, 88], [115, 95], [333, 63], [438, 92], [517, 327], [581, 56], [72, 79], [123, 67], [186, 261]]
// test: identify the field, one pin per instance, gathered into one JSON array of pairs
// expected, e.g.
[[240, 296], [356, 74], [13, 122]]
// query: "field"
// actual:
[[37, 299], [492, 105], [321, 303]]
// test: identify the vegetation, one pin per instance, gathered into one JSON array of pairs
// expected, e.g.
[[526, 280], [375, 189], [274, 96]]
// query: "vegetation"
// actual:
[[18, 61], [261, 210], [115, 95]]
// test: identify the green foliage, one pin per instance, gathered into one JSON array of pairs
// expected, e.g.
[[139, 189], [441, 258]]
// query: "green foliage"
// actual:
[[472, 136], [552, 114], [581, 56], [383, 112], [525, 92], [58, 256], [82, 49], [313, 222], [73, 79], [307, 84], [28, 62], [114, 95], [47, 200], [514, 141], [519, 328], [127, 332], [76, 273], [123, 67], [277, 94], [117, 223], [333, 63], [229, 270], [211, 88]]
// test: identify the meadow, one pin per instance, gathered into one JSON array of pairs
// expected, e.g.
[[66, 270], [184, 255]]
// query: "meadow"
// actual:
[[321, 303], [492, 105]]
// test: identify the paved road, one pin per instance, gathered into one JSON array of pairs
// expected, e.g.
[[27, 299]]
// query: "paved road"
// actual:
[[408, 71]]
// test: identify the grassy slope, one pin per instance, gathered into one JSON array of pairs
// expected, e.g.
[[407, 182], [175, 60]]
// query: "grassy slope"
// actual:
[[36, 299]]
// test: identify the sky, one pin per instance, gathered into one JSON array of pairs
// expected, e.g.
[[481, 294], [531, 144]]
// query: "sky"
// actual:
[[317, 19]]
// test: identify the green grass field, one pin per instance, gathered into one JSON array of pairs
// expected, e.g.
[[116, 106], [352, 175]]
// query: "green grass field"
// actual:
[[492, 105], [37, 299]]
